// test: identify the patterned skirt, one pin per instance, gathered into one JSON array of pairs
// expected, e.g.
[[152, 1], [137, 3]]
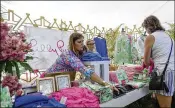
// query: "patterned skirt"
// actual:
[[170, 82]]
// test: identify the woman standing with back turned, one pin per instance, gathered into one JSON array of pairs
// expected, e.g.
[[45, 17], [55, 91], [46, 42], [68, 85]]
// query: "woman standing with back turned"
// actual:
[[157, 45]]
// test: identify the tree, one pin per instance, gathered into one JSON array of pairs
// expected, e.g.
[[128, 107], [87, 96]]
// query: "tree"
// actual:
[[171, 30]]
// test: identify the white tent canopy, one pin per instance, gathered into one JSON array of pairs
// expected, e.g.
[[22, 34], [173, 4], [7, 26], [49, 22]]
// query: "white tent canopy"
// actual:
[[108, 14]]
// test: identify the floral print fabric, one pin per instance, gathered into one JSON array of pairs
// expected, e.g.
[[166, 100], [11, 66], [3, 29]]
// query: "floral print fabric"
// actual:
[[68, 61], [103, 93], [5, 97], [125, 50], [122, 50], [121, 76]]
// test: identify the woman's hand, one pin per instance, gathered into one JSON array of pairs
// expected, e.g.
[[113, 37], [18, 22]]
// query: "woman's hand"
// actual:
[[112, 87]]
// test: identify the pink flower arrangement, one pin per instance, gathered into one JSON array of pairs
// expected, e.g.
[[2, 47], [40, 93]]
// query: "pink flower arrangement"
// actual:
[[13, 50], [12, 83], [13, 46]]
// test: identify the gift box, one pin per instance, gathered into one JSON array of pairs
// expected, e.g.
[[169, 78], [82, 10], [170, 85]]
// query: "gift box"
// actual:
[[104, 93], [6, 100]]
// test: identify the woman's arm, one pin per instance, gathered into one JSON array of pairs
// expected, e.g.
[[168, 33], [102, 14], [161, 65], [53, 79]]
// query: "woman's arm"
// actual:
[[76, 64], [149, 41]]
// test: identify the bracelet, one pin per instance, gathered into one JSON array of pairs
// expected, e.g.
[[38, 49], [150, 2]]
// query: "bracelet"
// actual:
[[105, 83]]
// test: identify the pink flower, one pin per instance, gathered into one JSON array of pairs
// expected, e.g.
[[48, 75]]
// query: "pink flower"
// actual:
[[12, 83], [3, 45], [8, 40], [15, 39], [3, 58], [12, 44], [24, 45], [22, 36], [4, 53], [21, 58], [3, 34], [29, 46], [4, 26], [8, 51]]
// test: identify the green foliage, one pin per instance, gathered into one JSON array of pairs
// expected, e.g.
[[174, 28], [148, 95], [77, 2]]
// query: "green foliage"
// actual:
[[111, 40], [9, 66], [171, 30]]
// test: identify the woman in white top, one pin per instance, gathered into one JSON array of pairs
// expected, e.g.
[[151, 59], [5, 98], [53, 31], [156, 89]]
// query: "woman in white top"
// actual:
[[160, 44]]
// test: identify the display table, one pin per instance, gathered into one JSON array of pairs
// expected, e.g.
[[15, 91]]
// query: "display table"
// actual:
[[31, 89], [128, 98], [101, 68]]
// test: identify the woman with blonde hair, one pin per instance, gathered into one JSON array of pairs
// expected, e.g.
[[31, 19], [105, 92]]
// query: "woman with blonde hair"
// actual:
[[90, 44], [158, 45]]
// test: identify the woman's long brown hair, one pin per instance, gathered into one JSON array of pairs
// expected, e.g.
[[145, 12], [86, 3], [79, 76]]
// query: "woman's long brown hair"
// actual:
[[72, 39], [152, 24]]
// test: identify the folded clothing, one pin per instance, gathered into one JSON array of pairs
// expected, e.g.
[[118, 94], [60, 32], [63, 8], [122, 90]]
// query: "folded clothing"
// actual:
[[77, 97], [103, 93], [121, 76], [141, 78], [131, 70], [91, 56], [105, 58], [136, 84], [33, 101], [113, 77]]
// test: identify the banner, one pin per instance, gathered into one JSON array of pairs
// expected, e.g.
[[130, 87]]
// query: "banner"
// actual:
[[47, 45]]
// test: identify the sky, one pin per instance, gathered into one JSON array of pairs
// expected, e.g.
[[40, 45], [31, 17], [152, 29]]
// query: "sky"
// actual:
[[108, 14]]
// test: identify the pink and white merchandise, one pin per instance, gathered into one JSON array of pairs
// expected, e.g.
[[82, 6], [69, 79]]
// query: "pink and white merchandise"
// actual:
[[131, 70], [77, 97]]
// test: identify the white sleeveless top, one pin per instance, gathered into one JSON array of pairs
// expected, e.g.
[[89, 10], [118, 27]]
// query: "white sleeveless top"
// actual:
[[161, 49]]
